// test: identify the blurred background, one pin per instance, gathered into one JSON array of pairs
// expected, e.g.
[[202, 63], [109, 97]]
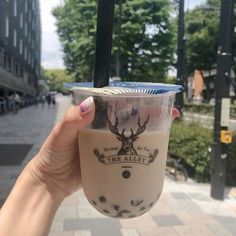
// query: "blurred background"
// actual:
[[44, 44]]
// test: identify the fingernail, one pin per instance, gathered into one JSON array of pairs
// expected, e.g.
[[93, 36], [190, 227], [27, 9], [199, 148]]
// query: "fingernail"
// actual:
[[86, 106], [175, 113]]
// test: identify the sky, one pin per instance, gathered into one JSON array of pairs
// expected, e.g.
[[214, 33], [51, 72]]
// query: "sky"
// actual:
[[52, 55]]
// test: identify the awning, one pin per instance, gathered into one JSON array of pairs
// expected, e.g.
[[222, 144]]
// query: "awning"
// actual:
[[7, 80]]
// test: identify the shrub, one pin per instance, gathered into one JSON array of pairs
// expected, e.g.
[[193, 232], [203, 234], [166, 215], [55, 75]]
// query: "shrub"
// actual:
[[191, 142]]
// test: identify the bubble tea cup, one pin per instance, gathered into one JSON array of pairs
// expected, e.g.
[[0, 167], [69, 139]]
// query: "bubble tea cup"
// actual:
[[123, 153]]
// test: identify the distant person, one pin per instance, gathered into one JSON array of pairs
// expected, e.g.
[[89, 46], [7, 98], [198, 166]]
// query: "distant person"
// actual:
[[53, 100], [49, 99], [42, 100], [17, 101]]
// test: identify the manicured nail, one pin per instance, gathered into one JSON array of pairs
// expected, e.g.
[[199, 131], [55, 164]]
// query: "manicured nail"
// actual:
[[86, 106], [175, 113]]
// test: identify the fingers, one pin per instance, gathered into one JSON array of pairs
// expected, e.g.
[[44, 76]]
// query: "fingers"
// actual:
[[65, 133]]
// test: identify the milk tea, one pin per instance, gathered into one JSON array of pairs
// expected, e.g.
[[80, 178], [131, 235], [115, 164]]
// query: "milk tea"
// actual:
[[123, 171]]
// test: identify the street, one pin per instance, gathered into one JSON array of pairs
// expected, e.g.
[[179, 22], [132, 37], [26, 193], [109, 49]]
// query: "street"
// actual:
[[184, 208]]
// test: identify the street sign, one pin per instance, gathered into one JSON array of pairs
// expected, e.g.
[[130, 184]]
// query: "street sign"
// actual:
[[226, 136]]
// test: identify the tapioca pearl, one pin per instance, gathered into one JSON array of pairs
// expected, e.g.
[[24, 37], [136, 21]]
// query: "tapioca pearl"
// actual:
[[136, 202], [151, 204], [116, 207], [94, 203], [102, 199], [122, 212], [142, 208], [105, 211]]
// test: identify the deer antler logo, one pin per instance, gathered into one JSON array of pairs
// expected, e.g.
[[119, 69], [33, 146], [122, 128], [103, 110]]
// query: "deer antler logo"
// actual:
[[127, 153], [127, 147]]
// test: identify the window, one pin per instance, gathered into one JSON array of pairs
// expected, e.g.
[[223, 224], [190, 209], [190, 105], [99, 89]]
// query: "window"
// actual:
[[30, 36], [29, 58], [26, 29], [7, 27], [15, 8], [26, 6], [15, 38], [25, 53], [21, 47], [33, 5], [21, 20]]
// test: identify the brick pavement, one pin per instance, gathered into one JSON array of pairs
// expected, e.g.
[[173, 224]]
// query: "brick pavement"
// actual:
[[184, 208]]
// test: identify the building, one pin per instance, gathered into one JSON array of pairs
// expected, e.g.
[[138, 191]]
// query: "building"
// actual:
[[20, 47], [201, 86]]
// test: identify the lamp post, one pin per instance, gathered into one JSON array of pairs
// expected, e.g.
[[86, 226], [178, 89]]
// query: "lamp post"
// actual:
[[118, 54], [222, 118], [181, 55]]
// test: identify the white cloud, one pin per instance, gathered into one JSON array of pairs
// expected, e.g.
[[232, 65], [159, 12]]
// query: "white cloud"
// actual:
[[51, 48]]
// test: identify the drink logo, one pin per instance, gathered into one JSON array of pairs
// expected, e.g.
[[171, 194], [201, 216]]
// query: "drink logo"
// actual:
[[127, 152]]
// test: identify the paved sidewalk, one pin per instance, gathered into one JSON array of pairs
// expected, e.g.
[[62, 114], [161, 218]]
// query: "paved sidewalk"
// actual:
[[183, 209], [206, 120]]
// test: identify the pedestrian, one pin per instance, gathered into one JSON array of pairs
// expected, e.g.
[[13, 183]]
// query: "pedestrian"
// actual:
[[51, 176], [53, 100], [13, 102], [42, 100], [17, 101], [49, 99]]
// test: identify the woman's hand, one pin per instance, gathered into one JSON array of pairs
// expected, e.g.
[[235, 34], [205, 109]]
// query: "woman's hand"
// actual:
[[56, 166]]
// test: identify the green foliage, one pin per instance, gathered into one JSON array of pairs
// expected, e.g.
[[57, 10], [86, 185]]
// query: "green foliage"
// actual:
[[76, 22], [202, 31], [147, 38], [191, 142], [56, 78]]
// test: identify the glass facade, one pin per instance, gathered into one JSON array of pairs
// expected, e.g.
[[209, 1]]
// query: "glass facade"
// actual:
[[20, 42]]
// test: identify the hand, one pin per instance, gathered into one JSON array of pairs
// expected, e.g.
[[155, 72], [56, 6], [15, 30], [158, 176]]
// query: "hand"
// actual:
[[56, 166]]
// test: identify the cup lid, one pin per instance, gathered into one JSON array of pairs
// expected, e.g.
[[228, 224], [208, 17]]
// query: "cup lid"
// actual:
[[126, 88]]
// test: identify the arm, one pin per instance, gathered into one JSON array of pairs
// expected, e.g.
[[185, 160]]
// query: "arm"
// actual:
[[30, 208], [52, 175]]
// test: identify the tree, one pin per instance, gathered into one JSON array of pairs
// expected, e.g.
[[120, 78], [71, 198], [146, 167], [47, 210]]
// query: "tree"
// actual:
[[147, 38], [202, 30], [76, 22], [56, 78]]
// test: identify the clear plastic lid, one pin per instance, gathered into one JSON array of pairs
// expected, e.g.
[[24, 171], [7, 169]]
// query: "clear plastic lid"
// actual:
[[126, 88]]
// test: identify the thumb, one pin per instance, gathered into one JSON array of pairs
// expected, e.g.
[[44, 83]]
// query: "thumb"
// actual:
[[65, 133]]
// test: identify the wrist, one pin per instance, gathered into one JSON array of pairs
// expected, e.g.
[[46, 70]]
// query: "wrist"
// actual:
[[38, 179]]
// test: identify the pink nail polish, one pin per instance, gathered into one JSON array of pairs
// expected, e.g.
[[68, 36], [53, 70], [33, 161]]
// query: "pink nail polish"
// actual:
[[86, 106], [175, 113]]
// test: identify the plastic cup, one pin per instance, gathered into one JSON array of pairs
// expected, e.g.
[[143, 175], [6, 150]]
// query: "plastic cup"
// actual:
[[123, 153]]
